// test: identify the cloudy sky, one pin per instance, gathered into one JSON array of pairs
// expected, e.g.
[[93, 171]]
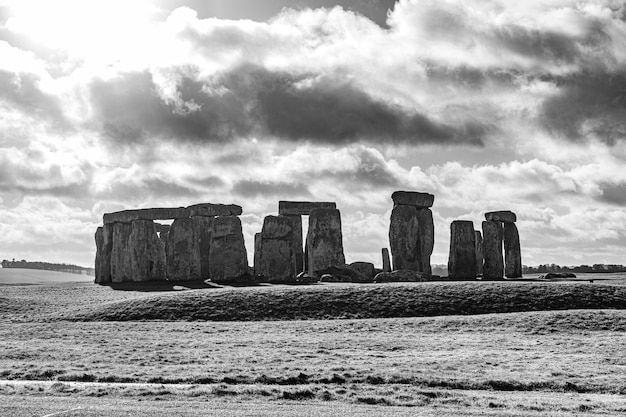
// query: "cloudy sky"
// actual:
[[487, 104]]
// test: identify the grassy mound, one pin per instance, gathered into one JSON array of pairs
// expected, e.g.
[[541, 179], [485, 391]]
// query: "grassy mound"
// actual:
[[364, 301]]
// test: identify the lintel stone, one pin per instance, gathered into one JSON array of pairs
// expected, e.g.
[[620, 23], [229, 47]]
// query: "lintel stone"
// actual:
[[205, 209], [412, 198], [505, 216], [303, 207]]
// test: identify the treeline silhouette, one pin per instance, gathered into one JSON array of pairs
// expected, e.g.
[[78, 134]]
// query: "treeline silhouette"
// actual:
[[595, 268], [73, 269]]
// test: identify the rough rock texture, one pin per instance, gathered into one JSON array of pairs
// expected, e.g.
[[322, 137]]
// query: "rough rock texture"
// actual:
[[147, 257], [297, 244], [403, 238], [207, 209], [364, 268], [462, 260], [493, 266], [183, 252], [386, 260], [512, 252], [302, 207], [278, 257], [412, 198], [426, 239], [343, 273], [228, 260], [505, 216], [257, 253], [121, 270], [104, 245], [324, 240], [402, 275], [162, 228], [478, 241], [203, 228]]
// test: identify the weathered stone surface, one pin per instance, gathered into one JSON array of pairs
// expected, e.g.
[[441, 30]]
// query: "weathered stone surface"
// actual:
[[493, 266], [297, 243], [402, 275], [386, 260], [426, 239], [412, 198], [121, 270], [257, 253], [147, 257], [505, 216], [462, 259], [364, 268], [104, 242], [161, 228], [207, 209], [203, 228], [278, 258], [228, 260], [303, 207], [479, 252], [324, 240], [183, 253], [343, 273], [512, 252], [404, 237]]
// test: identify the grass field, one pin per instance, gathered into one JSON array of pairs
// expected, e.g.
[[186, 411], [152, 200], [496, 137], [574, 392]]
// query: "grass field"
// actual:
[[65, 346]]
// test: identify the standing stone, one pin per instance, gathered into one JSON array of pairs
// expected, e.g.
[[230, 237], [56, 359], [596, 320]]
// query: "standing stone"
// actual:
[[324, 240], [203, 227], [404, 238], [386, 261], [493, 267], [147, 257], [512, 252], [121, 270], [296, 233], [278, 257], [426, 239], [257, 253], [104, 243], [183, 254], [462, 260], [228, 260], [479, 252]]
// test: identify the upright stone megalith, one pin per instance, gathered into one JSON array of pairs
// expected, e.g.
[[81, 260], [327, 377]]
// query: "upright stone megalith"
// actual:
[[104, 245], [278, 257], [493, 266], [478, 240], [183, 254], [120, 253], [386, 260], [228, 260], [147, 257], [404, 238], [462, 259], [324, 240], [412, 231], [512, 252], [257, 254], [296, 241]]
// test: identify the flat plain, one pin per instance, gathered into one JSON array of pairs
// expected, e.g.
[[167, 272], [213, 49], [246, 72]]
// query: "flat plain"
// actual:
[[535, 349]]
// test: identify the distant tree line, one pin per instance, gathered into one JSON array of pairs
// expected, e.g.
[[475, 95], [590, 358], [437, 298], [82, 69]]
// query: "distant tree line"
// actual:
[[73, 269], [581, 268]]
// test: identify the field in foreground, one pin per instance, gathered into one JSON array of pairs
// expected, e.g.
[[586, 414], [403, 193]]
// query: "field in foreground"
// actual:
[[523, 363]]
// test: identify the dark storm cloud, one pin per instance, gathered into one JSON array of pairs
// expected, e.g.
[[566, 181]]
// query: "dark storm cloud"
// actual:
[[251, 188], [255, 101], [613, 194], [20, 91], [588, 103]]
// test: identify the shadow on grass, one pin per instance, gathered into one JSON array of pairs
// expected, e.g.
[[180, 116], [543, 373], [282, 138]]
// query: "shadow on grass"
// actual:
[[161, 286]]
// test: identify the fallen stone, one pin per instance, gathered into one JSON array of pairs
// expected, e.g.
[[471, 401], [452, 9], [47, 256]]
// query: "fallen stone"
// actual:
[[493, 265], [345, 273], [277, 260], [121, 270], [413, 198], [402, 275], [462, 259], [298, 208], [324, 240], [364, 268], [386, 260], [479, 252], [147, 257], [505, 216], [228, 260], [403, 238], [512, 252], [206, 209], [426, 239]]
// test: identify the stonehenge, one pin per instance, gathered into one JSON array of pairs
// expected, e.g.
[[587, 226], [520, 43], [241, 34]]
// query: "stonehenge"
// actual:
[[204, 241], [412, 231]]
